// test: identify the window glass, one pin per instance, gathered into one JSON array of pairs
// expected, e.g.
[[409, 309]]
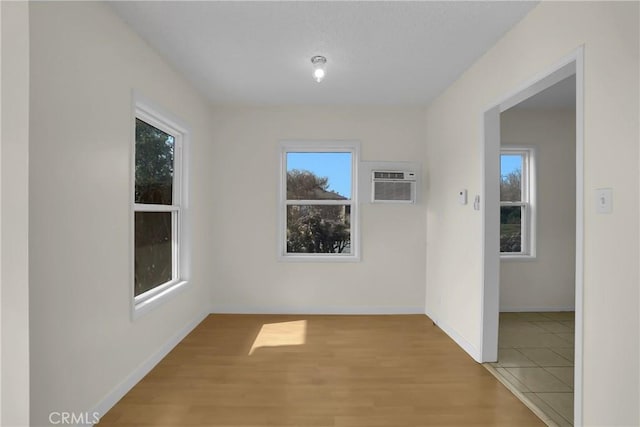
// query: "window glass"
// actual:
[[153, 250], [154, 165], [318, 176], [511, 229], [511, 177], [319, 229]]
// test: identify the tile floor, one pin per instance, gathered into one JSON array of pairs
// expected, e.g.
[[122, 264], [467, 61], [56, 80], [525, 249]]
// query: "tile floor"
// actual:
[[535, 357]]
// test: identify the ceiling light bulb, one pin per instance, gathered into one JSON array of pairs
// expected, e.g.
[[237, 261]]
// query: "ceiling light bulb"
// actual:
[[319, 67]]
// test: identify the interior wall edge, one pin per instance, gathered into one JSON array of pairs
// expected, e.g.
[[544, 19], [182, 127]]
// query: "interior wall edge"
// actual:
[[468, 347]]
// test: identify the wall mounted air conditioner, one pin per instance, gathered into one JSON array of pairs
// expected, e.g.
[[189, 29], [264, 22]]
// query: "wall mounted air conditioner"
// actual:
[[393, 187]]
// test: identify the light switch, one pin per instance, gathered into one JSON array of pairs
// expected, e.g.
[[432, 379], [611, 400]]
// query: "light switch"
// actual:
[[604, 200], [476, 203]]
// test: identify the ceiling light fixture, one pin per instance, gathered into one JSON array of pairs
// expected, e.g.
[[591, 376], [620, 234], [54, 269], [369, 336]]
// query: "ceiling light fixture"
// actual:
[[319, 67]]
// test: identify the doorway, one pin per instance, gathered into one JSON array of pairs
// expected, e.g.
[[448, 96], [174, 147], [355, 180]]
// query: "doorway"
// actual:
[[569, 68]]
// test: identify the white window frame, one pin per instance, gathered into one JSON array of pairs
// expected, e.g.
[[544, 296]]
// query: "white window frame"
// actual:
[[352, 147], [528, 202], [154, 115]]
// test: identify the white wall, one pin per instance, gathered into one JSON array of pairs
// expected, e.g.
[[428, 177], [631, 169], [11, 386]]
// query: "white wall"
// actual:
[[609, 32], [548, 282], [14, 167], [85, 62], [249, 278]]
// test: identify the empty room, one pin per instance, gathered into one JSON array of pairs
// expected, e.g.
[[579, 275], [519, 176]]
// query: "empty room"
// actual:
[[331, 214]]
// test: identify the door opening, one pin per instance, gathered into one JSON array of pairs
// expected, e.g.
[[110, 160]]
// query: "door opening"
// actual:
[[570, 66]]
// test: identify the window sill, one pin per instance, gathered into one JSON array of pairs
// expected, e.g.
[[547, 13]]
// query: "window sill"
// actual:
[[319, 258], [512, 258], [141, 308]]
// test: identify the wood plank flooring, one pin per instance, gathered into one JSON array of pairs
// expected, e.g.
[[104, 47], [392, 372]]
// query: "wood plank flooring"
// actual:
[[320, 371]]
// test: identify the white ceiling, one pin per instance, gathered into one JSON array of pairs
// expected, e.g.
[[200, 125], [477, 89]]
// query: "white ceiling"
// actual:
[[378, 53], [560, 95]]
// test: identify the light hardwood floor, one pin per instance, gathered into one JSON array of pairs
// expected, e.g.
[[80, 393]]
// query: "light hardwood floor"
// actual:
[[321, 371]]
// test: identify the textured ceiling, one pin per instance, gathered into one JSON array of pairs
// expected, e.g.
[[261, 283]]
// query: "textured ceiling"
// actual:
[[378, 53]]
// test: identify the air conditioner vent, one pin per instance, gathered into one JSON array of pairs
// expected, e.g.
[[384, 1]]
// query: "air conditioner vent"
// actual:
[[393, 187], [388, 175], [392, 191]]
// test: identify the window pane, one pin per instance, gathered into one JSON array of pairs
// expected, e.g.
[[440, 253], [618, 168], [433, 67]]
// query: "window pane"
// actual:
[[511, 177], [318, 176], [154, 165], [153, 250], [319, 229], [511, 229]]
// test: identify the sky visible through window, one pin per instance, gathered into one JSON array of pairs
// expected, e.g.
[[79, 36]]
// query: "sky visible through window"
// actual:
[[335, 166], [510, 163]]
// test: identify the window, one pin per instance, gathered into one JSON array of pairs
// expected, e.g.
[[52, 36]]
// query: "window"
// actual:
[[517, 202], [318, 206], [158, 211]]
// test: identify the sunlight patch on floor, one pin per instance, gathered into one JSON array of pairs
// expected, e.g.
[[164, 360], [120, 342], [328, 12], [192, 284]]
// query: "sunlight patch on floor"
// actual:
[[280, 334]]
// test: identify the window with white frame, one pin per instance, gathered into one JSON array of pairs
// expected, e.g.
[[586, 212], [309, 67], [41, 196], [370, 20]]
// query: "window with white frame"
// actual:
[[158, 210], [318, 201], [517, 202]]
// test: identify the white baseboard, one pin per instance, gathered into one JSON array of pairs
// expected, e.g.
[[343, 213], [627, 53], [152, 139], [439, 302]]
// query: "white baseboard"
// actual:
[[123, 388], [360, 310], [457, 338], [534, 309]]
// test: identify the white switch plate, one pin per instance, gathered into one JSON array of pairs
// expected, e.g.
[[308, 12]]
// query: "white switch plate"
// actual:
[[462, 196], [604, 200]]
